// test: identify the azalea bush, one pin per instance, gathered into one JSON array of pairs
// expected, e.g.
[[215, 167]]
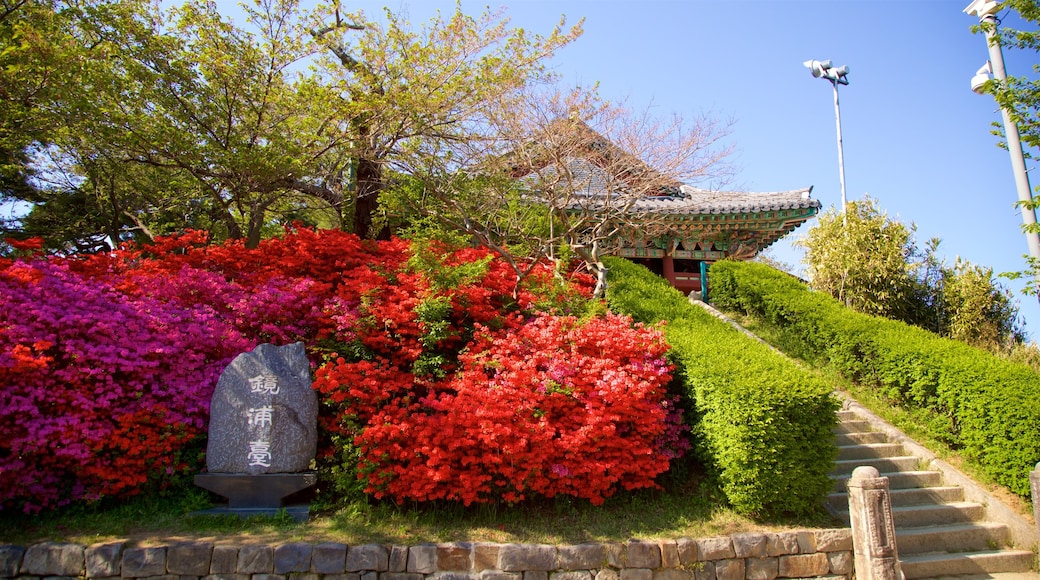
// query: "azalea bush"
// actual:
[[108, 363]]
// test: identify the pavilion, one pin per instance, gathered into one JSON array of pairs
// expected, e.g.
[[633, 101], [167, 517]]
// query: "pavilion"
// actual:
[[675, 229]]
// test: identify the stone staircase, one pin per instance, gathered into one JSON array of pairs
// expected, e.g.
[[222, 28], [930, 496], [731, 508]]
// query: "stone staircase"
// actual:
[[939, 531]]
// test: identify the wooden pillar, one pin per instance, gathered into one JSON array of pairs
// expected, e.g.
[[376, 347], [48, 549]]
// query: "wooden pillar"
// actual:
[[668, 265]]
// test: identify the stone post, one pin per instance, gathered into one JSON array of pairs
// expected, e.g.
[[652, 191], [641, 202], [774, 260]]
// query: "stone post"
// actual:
[[873, 529], [1034, 486]]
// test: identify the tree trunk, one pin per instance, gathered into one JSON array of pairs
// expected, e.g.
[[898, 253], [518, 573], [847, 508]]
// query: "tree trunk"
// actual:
[[369, 184]]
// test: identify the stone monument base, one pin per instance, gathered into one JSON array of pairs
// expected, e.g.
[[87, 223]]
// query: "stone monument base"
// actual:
[[257, 495]]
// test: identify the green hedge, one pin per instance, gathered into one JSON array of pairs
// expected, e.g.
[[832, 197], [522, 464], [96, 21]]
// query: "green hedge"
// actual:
[[762, 424], [974, 401]]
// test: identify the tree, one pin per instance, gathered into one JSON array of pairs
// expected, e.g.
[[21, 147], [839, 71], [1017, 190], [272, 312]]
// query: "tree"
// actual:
[[873, 264], [249, 135], [409, 93], [563, 173], [865, 262]]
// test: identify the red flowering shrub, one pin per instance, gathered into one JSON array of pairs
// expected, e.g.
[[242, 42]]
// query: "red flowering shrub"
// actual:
[[446, 378], [556, 407]]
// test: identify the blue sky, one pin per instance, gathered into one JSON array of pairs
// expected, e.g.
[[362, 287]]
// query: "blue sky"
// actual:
[[915, 137]]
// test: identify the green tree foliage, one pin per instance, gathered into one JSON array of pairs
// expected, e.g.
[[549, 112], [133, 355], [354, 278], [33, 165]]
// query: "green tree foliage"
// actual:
[[872, 264], [863, 260], [182, 118]]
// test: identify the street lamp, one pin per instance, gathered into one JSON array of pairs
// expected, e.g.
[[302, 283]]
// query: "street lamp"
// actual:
[[836, 75], [986, 12]]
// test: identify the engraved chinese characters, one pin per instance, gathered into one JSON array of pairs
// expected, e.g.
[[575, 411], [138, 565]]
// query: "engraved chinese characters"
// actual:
[[263, 417]]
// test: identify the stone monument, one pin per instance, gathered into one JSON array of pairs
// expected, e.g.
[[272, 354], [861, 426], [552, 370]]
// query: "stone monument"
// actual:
[[262, 432]]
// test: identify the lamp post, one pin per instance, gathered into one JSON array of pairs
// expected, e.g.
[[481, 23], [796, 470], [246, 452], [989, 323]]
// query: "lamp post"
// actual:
[[986, 12], [836, 75]]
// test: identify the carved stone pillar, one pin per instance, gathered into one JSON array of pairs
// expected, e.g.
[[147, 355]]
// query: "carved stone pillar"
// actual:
[[873, 529]]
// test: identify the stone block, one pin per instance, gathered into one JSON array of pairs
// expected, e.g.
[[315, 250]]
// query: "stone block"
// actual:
[[103, 560], [143, 562], [370, 576], [454, 576], [10, 560], [673, 574], [617, 555], [53, 559], [607, 574], [669, 554], [527, 558], [224, 560], [398, 559], [704, 571], [835, 540], [422, 559], [687, 550], [806, 542], [269, 577], [571, 575], [456, 557], [189, 558], [330, 558], [714, 549], [643, 554], [582, 557], [637, 574], [729, 570], [183, 577], [485, 556], [749, 545], [536, 575], [805, 565], [841, 563], [761, 568], [292, 557], [397, 576], [303, 576], [497, 575], [350, 576], [226, 576], [782, 544], [255, 560], [368, 558]]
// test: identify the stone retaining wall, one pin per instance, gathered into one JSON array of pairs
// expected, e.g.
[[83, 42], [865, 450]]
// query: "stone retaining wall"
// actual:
[[750, 556]]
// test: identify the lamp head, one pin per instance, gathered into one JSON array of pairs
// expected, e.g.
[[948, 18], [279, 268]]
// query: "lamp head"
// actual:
[[982, 8], [817, 67]]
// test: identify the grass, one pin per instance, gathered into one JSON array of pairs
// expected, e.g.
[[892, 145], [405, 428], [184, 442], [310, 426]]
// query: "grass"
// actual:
[[687, 507]]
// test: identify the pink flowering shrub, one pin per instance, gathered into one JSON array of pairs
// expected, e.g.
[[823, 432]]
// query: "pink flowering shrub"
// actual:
[[87, 370]]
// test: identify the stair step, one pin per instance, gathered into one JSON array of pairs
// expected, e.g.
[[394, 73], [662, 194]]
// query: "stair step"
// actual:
[[980, 536], [870, 451], [982, 562], [916, 516], [883, 464], [858, 438], [856, 426], [897, 480], [905, 497], [847, 416]]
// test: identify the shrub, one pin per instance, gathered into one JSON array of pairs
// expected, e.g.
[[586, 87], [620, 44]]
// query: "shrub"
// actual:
[[762, 423], [974, 401]]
